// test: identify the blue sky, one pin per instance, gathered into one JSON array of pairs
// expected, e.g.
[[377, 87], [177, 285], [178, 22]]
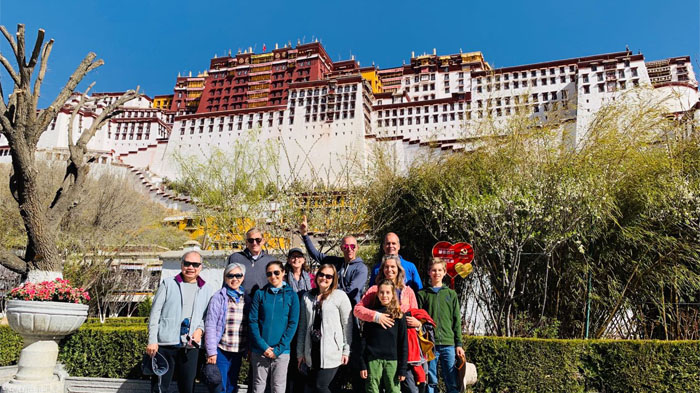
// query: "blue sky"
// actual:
[[147, 43]]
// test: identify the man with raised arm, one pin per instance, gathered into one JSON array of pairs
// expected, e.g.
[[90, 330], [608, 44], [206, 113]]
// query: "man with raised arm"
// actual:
[[352, 272]]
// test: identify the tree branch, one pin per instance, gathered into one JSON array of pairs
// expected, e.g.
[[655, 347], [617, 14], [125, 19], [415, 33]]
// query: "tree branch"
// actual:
[[7, 128], [37, 49], [10, 70], [42, 71], [10, 39], [12, 262], [88, 64], [77, 170], [105, 115], [20, 47], [83, 98]]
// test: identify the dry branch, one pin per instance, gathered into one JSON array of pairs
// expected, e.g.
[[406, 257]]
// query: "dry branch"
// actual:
[[12, 262], [20, 125]]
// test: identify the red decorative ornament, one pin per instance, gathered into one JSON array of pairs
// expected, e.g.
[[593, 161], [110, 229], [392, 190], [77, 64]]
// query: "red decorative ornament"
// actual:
[[459, 257]]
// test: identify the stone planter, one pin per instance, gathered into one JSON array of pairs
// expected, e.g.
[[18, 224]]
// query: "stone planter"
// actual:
[[41, 325]]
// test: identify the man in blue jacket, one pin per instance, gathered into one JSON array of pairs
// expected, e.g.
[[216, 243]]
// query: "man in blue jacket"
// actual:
[[391, 246], [176, 323]]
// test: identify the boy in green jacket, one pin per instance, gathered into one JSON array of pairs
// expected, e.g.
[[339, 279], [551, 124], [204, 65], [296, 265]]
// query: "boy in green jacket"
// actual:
[[443, 306]]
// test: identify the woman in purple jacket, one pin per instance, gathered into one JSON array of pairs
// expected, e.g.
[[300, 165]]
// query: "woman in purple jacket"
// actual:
[[226, 328]]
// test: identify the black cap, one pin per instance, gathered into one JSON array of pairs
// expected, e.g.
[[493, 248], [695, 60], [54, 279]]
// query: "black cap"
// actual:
[[211, 375], [293, 250]]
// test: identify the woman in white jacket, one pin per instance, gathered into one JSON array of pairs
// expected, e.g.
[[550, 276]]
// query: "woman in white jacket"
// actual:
[[325, 330]]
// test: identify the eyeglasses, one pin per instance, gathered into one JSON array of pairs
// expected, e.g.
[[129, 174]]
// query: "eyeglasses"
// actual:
[[235, 275], [192, 264], [326, 276], [252, 240], [275, 272], [346, 247]]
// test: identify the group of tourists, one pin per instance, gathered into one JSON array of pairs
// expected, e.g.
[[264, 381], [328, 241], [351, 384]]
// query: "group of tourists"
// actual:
[[298, 328]]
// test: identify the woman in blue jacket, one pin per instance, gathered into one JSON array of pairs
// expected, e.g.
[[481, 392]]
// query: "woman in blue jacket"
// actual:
[[274, 315], [226, 328]]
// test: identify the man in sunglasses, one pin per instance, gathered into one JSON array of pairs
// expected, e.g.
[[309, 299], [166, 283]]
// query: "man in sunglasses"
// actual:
[[352, 277], [254, 258], [176, 323], [352, 272]]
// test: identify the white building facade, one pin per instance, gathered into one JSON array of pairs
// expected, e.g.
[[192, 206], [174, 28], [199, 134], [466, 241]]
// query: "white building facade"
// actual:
[[323, 120]]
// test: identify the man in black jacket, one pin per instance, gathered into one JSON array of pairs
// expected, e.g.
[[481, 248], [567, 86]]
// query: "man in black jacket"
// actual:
[[255, 259]]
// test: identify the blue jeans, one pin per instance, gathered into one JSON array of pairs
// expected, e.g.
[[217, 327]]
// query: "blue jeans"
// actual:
[[229, 364], [445, 354]]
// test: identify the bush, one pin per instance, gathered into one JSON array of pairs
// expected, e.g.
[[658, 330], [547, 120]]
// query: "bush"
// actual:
[[144, 308], [643, 366], [520, 365], [545, 365], [526, 365], [10, 346], [114, 351], [105, 351], [118, 321]]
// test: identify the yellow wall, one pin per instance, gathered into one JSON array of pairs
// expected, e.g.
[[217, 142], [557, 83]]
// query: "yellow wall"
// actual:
[[162, 102], [373, 79], [197, 231]]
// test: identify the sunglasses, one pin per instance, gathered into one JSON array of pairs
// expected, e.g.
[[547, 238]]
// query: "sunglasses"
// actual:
[[252, 240], [192, 264], [348, 247], [326, 276], [235, 275], [275, 272]]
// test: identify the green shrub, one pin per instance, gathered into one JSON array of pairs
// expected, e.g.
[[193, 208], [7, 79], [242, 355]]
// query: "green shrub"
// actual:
[[643, 366], [144, 308], [526, 365], [505, 365], [105, 351], [10, 346], [117, 321]]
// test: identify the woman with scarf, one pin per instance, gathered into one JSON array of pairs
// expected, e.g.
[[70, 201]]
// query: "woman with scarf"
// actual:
[[226, 328], [298, 276]]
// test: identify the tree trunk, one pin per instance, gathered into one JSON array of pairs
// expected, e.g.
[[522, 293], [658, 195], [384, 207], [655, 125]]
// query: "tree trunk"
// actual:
[[41, 252], [22, 123]]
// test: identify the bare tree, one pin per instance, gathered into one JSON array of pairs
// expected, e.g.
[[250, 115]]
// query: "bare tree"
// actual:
[[22, 123]]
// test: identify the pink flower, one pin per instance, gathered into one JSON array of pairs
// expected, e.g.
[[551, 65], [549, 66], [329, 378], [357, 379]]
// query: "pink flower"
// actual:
[[57, 289]]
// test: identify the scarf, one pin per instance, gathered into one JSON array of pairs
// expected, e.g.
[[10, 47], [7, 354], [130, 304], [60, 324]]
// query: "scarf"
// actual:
[[304, 283], [235, 294]]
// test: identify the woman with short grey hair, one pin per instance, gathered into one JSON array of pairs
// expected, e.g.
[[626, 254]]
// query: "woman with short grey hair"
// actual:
[[226, 328]]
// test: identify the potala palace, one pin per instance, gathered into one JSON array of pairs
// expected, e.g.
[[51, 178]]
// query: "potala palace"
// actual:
[[322, 115]]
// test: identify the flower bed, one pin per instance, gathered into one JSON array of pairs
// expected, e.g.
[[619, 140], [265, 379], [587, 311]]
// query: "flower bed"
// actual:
[[58, 290]]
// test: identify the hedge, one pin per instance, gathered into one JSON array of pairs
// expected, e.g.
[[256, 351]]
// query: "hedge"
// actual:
[[505, 365], [105, 351], [526, 365], [117, 321], [10, 345]]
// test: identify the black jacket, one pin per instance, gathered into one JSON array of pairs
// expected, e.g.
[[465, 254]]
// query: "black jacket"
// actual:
[[387, 344]]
